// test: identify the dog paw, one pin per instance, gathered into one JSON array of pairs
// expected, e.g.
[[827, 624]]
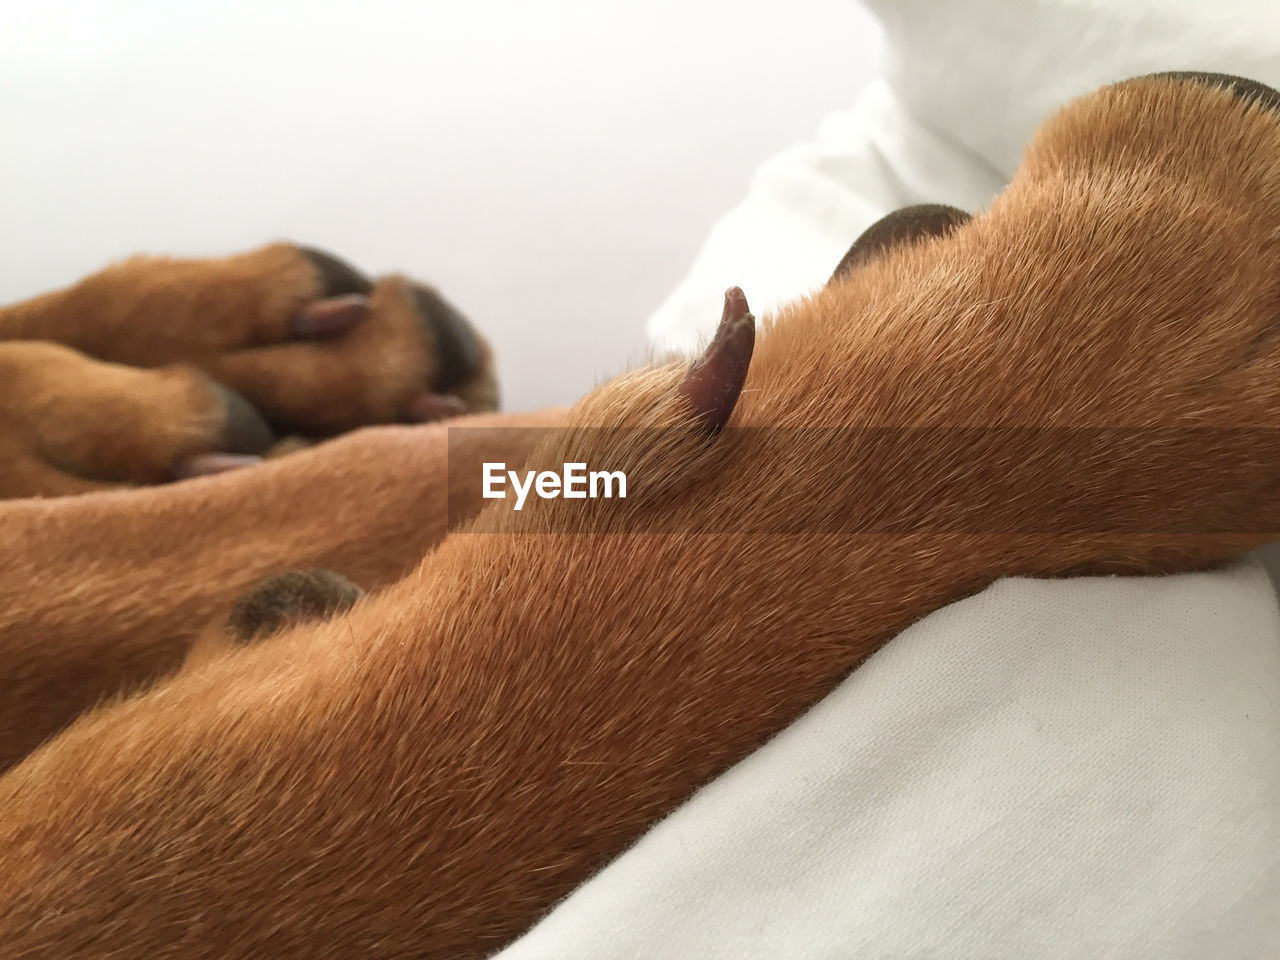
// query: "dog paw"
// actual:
[[400, 353], [73, 424], [314, 344]]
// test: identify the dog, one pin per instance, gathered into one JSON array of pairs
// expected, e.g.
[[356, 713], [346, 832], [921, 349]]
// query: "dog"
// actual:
[[1087, 378]]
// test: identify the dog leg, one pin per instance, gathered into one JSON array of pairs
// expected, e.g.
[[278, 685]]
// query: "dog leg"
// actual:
[[73, 424], [101, 595], [311, 342]]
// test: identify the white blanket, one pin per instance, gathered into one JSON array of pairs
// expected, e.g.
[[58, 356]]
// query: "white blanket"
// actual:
[[1085, 768], [962, 86], [1070, 769]]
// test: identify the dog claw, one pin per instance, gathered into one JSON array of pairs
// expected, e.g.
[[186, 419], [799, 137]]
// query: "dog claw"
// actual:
[[206, 464], [428, 407], [714, 381], [330, 318]]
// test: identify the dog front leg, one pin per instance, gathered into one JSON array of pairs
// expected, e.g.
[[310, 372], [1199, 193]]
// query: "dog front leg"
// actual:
[[102, 594]]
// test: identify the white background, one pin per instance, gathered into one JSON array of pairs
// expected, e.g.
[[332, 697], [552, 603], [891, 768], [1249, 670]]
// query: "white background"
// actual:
[[553, 167]]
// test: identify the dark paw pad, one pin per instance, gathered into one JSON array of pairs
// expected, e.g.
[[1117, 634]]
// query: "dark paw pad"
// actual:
[[337, 277], [1241, 87], [245, 430], [454, 341], [902, 226], [287, 599]]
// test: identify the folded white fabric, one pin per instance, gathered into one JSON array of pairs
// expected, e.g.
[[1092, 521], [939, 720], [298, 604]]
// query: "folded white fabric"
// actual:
[[1049, 769], [963, 84]]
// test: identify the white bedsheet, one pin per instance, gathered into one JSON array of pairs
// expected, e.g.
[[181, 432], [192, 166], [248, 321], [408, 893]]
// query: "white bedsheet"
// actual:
[[961, 87], [1086, 768], [1070, 769]]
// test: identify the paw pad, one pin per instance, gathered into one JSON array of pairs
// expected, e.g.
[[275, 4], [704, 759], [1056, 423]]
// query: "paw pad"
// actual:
[[287, 599]]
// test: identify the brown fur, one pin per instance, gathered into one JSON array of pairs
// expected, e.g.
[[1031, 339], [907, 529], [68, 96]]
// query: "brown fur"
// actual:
[[72, 424], [108, 592], [280, 601], [236, 320], [427, 774]]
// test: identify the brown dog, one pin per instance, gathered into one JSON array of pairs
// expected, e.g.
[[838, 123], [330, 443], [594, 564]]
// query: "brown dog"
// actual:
[[1093, 364]]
